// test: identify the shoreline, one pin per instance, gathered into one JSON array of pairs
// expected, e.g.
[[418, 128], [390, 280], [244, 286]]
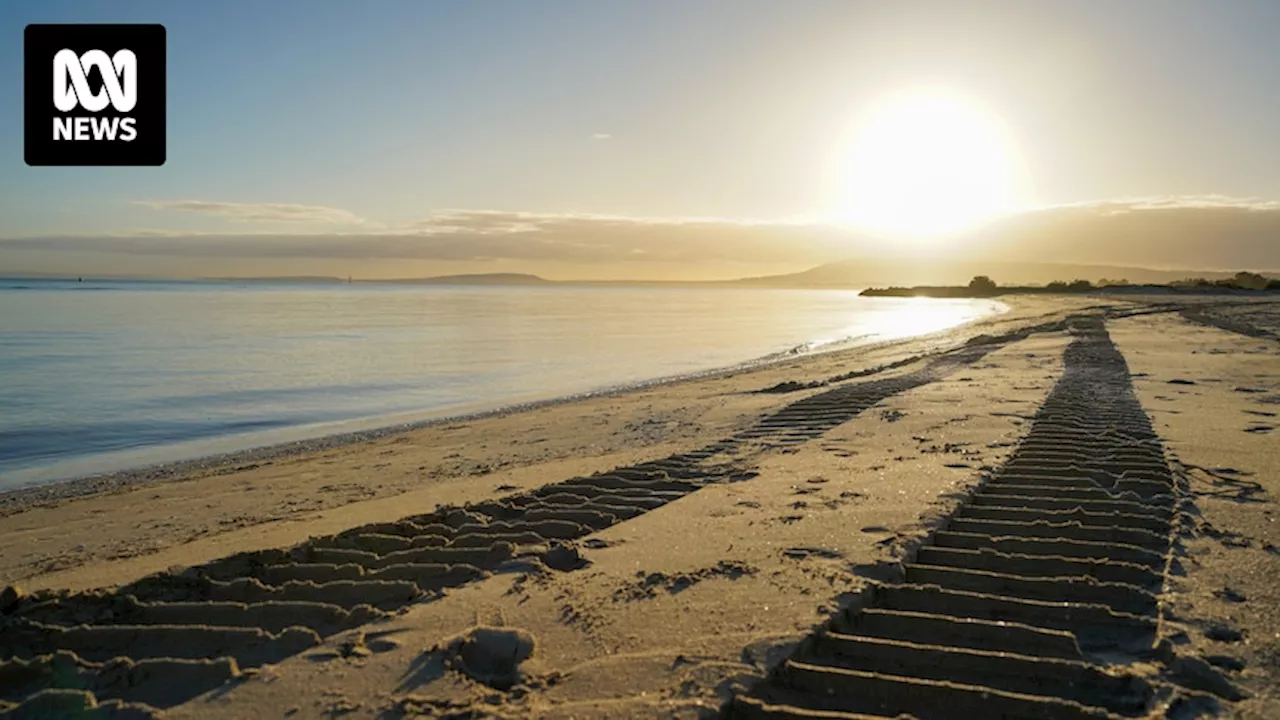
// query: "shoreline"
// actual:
[[61, 489], [80, 486], [107, 529], [102, 430], [673, 545]]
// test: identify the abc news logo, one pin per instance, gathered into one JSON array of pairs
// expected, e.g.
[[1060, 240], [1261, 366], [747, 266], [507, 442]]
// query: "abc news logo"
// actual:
[[107, 105], [71, 89]]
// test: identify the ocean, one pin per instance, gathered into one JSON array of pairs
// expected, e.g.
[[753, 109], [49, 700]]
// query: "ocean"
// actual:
[[102, 376]]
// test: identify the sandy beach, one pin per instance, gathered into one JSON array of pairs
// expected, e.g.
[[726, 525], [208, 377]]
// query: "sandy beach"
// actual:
[[580, 360], [1066, 510]]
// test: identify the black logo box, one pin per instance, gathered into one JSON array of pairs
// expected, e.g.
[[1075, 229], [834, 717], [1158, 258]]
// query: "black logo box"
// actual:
[[42, 42]]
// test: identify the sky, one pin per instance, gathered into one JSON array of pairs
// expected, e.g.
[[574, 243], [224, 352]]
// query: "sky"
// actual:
[[662, 138]]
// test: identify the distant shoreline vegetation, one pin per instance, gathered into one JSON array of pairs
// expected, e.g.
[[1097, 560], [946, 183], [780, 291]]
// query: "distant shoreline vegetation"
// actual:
[[982, 286]]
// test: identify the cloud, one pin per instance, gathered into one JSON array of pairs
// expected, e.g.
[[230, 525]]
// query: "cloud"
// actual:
[[601, 136], [494, 234], [471, 235], [1166, 202], [259, 212], [1204, 201], [1207, 232]]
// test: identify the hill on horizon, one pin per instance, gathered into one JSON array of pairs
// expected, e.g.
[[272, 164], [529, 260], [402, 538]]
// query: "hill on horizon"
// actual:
[[472, 279]]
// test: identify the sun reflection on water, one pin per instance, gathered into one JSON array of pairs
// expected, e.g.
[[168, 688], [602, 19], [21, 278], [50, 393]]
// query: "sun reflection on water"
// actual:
[[919, 316]]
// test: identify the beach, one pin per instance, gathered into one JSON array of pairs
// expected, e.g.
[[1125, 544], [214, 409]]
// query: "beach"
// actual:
[[1065, 510], [114, 375]]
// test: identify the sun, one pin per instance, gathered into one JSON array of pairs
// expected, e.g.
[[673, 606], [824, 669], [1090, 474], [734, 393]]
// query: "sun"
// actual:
[[926, 163]]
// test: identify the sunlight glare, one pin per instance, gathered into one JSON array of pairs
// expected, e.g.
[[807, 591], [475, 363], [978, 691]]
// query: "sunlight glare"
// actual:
[[907, 317], [924, 164]]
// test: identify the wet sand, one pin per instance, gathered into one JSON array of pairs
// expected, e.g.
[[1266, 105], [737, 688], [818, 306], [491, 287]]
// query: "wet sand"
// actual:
[[1064, 511]]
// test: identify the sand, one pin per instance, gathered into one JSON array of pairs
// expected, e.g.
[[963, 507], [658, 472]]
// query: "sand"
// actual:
[[1214, 398], [662, 551]]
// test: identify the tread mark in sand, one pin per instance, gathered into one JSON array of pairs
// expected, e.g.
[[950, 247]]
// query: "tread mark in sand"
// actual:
[[1242, 318], [1033, 596], [169, 637]]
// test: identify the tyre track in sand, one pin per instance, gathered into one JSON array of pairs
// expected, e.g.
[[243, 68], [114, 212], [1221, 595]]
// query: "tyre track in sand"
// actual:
[[169, 637], [1034, 597], [1242, 318]]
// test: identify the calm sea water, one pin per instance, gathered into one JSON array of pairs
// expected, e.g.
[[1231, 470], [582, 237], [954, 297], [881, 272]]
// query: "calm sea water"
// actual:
[[102, 376]]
